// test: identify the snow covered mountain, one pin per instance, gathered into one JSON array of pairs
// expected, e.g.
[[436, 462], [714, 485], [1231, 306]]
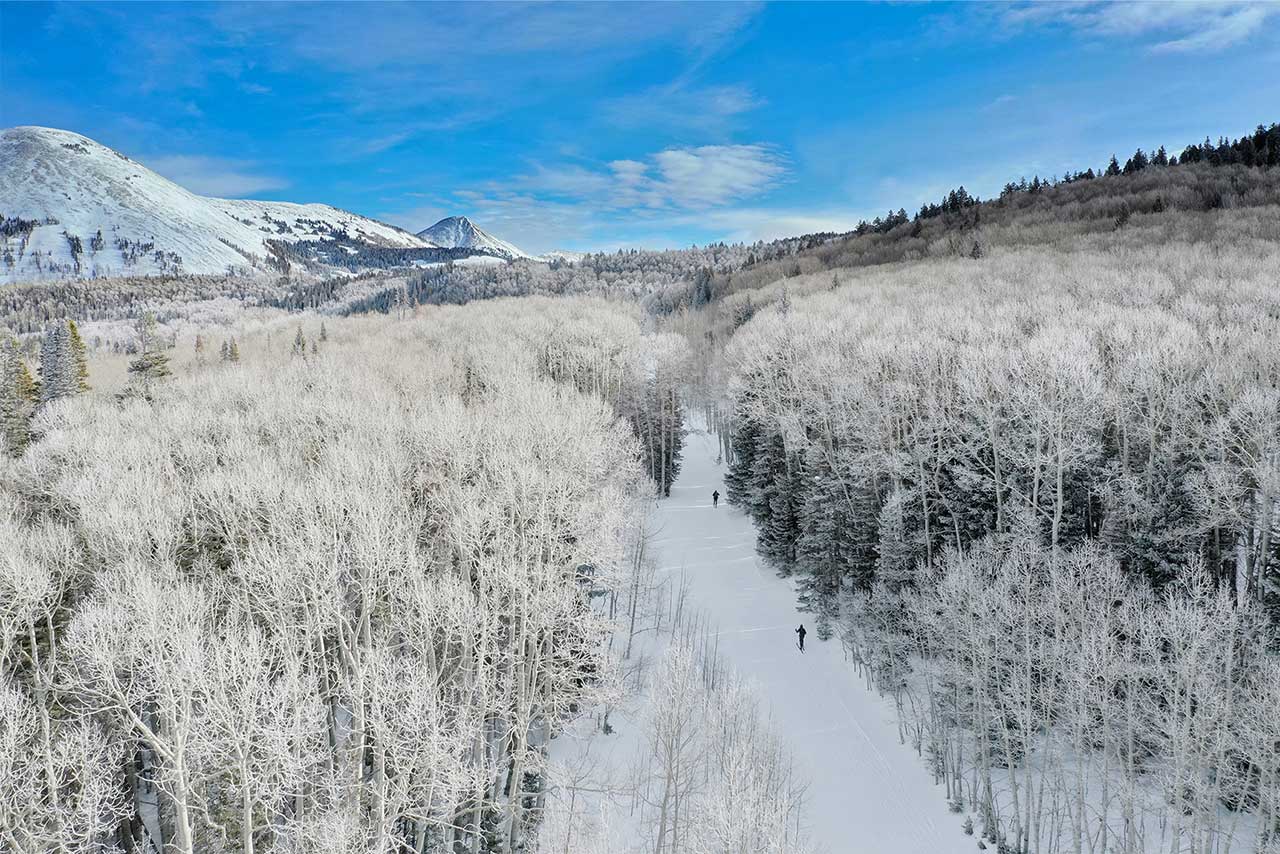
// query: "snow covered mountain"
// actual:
[[563, 255], [73, 208], [458, 232]]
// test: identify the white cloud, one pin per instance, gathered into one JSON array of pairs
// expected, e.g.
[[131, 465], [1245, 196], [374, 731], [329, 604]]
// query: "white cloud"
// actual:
[[674, 178], [716, 174], [1221, 32], [214, 176], [1187, 26]]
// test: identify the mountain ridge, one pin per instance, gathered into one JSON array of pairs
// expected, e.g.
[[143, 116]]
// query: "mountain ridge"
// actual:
[[72, 208]]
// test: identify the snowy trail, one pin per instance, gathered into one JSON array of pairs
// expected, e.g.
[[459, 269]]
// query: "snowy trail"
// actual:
[[868, 793]]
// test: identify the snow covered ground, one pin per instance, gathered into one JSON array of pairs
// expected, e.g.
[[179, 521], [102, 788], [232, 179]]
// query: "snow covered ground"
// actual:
[[868, 793]]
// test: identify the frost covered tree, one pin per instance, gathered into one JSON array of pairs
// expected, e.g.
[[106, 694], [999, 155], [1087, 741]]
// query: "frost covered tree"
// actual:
[[1036, 504], [345, 609]]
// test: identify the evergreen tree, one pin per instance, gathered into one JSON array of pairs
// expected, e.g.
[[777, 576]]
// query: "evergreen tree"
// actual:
[[299, 343], [780, 502], [900, 541], [324, 333], [738, 481], [233, 351], [1136, 163], [1113, 168], [18, 397], [80, 357], [702, 287], [58, 375]]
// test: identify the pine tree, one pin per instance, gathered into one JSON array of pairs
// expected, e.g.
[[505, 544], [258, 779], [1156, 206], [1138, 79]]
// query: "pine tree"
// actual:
[[738, 481], [18, 397], [58, 377], [233, 352], [1136, 163], [1113, 168], [900, 542], [27, 387], [299, 343], [80, 357], [702, 287], [784, 496], [224, 354], [324, 333]]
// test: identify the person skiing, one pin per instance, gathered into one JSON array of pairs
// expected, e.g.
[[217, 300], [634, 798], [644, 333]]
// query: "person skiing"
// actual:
[[715, 498], [801, 632]]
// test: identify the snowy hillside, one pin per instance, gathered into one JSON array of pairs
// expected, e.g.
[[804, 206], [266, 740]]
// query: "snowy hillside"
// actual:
[[73, 208], [458, 232]]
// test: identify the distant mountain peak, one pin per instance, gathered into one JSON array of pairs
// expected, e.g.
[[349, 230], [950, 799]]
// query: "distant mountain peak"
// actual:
[[458, 232]]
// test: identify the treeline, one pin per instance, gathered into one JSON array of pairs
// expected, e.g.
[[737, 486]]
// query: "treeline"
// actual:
[[323, 599], [31, 307], [1205, 177], [1260, 150], [664, 282], [1035, 407], [354, 255]]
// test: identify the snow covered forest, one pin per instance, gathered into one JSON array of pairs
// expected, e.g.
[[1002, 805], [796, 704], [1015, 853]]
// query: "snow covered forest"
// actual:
[[327, 595], [1035, 498]]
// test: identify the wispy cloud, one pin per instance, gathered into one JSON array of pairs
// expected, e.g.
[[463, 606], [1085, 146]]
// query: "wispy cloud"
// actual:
[[1221, 31], [631, 202], [681, 178], [384, 143], [999, 102], [708, 109], [1169, 27], [214, 176], [406, 54]]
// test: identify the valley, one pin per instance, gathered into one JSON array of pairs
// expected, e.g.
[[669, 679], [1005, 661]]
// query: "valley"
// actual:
[[639, 428]]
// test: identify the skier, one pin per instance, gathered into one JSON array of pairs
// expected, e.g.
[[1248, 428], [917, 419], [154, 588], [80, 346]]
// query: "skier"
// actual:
[[715, 498], [801, 632]]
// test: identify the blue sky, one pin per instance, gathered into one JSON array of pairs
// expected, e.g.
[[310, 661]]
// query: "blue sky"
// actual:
[[605, 125]]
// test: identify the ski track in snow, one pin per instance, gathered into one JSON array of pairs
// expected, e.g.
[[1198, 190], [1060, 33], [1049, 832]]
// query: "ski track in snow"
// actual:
[[868, 792]]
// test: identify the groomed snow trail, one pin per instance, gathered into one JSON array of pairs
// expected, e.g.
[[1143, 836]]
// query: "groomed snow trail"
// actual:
[[868, 793]]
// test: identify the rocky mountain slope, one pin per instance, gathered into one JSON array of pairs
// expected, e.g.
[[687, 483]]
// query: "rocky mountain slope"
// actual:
[[458, 232]]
